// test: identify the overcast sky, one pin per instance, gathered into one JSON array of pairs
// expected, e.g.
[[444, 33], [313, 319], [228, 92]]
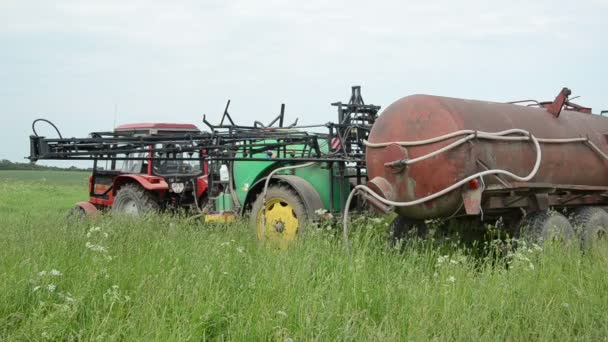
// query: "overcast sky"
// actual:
[[75, 62]]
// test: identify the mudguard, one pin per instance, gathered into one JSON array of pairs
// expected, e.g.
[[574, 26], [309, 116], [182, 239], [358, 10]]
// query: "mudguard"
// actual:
[[88, 208], [307, 193], [153, 183]]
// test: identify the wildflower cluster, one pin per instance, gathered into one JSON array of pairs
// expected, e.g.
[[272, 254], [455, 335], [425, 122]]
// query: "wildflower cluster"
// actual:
[[97, 239], [324, 214], [445, 264], [522, 256], [444, 260], [282, 333], [54, 304], [114, 295], [47, 283], [324, 221], [239, 249]]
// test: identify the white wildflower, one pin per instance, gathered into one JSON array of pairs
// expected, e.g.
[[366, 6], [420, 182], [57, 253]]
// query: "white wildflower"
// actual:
[[441, 259], [51, 287], [225, 273], [36, 288], [531, 265], [521, 257], [288, 339], [453, 262], [225, 243], [112, 293], [240, 249], [320, 211], [451, 279], [537, 247], [41, 273], [96, 248], [565, 305], [55, 273], [282, 313]]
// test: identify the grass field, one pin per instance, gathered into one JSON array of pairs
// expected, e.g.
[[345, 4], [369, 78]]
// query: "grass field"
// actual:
[[76, 178], [170, 279]]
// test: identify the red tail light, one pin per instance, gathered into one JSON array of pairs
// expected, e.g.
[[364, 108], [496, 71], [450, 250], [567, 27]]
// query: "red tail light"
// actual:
[[474, 184]]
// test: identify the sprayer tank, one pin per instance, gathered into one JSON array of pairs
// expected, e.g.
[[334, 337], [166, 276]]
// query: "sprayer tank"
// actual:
[[420, 117]]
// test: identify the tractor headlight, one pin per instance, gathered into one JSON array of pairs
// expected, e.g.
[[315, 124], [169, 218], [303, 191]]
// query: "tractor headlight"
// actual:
[[177, 187]]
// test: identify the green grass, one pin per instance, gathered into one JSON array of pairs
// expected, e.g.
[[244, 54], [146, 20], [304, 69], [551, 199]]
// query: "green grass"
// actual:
[[165, 278]]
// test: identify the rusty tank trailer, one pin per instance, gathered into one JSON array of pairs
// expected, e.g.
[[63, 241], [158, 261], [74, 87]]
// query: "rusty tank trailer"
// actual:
[[422, 145]]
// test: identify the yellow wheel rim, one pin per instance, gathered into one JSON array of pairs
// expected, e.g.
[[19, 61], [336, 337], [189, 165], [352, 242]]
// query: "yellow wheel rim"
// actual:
[[277, 222]]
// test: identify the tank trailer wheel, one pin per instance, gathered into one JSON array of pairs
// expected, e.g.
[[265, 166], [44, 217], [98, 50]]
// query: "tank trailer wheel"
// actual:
[[401, 228], [593, 225], [134, 200], [281, 218], [546, 225]]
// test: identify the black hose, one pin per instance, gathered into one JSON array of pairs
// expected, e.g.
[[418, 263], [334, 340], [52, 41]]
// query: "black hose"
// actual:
[[50, 123]]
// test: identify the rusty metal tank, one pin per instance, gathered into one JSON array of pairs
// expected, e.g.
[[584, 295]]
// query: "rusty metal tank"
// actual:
[[420, 117]]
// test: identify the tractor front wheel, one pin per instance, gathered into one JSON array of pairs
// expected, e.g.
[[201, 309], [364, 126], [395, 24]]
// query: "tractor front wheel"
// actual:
[[280, 218], [133, 200]]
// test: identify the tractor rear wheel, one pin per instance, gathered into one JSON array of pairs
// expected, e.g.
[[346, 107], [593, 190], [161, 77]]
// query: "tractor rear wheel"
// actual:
[[280, 218], [134, 200], [546, 225], [593, 225]]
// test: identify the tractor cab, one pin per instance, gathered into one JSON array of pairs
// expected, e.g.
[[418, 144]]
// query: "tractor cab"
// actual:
[[165, 163], [169, 178]]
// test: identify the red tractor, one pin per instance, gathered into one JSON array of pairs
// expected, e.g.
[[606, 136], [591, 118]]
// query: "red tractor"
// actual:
[[142, 182]]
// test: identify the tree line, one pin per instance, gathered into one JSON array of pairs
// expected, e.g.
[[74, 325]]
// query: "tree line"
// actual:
[[6, 164]]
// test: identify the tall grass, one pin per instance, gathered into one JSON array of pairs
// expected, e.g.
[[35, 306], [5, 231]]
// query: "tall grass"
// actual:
[[168, 278]]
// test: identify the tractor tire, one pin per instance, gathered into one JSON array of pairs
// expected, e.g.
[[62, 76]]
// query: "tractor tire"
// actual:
[[134, 200], [75, 215], [593, 225], [403, 228], [285, 215], [546, 225]]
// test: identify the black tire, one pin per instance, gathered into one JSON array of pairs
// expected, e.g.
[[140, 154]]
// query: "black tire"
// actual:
[[403, 228], [285, 197], [75, 215], [593, 224], [134, 200], [546, 225]]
